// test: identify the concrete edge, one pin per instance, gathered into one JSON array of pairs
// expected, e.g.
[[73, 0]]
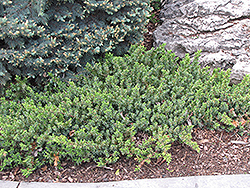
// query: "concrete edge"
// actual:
[[9, 184], [221, 181]]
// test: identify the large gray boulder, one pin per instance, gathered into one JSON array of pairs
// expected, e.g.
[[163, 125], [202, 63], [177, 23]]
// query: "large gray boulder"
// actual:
[[220, 28]]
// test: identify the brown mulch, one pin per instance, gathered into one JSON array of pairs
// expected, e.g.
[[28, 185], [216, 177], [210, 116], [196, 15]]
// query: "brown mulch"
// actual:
[[148, 36], [220, 153]]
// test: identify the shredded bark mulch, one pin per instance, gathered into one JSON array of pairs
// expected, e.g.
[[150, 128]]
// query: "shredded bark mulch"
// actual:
[[221, 153]]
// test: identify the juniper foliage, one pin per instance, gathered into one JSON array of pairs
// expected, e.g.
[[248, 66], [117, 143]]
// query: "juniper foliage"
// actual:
[[133, 106], [60, 36]]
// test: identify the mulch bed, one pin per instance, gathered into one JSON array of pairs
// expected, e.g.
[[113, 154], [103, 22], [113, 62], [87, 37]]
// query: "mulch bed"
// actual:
[[221, 153]]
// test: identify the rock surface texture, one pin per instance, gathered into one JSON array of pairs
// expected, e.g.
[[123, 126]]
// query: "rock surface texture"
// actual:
[[220, 28]]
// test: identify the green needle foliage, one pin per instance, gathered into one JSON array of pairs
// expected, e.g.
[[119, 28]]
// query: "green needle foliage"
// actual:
[[38, 37], [156, 4], [133, 106]]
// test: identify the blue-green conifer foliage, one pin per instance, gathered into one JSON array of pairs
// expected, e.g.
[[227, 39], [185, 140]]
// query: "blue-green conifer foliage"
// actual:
[[60, 36]]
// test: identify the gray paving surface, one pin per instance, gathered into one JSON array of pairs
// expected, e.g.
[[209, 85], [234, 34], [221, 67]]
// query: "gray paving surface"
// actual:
[[8, 184], [223, 181]]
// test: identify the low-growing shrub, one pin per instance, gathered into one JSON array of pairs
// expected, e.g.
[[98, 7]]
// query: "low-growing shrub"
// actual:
[[135, 105]]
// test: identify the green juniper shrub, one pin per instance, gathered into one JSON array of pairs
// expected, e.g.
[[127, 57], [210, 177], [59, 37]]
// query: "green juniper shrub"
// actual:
[[133, 106]]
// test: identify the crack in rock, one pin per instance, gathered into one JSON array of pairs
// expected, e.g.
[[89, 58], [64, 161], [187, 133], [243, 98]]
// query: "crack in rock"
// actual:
[[220, 28]]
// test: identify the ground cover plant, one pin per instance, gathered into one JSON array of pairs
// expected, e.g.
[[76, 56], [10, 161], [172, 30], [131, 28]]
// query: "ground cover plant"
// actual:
[[133, 106]]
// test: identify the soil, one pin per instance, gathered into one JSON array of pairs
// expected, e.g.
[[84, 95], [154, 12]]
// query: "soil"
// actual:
[[221, 152]]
